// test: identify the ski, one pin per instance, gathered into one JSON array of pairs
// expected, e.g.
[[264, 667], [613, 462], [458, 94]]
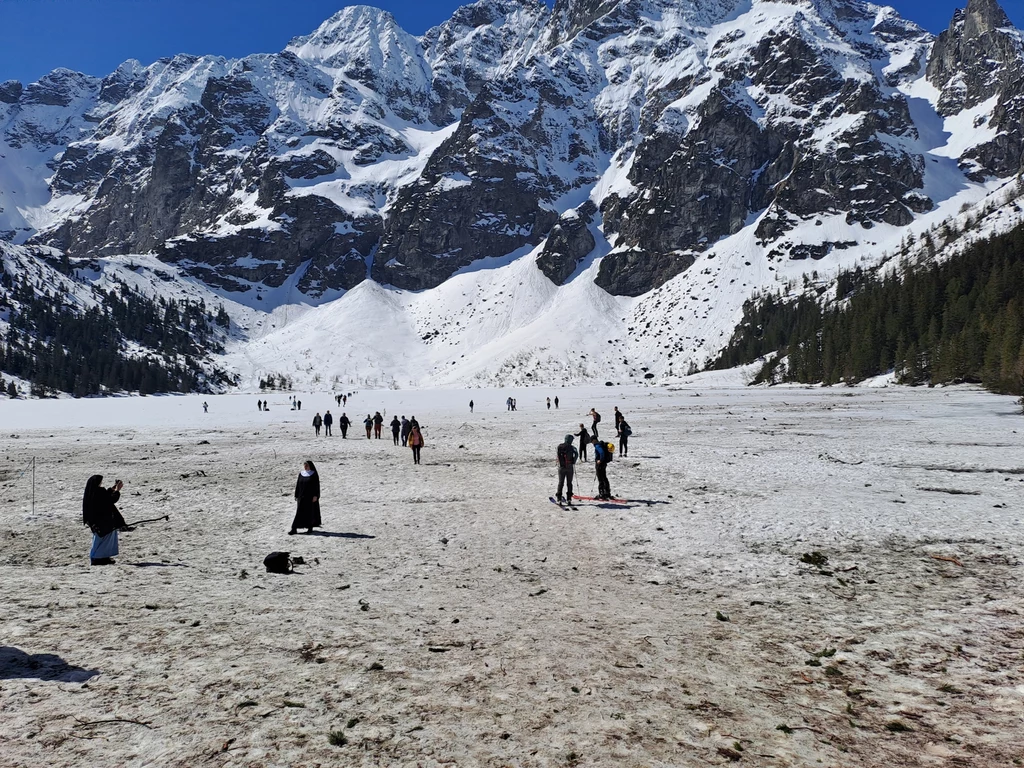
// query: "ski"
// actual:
[[563, 505], [594, 498]]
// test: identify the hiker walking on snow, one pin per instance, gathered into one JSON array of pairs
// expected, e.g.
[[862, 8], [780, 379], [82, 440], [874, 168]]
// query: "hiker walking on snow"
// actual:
[[206, 408], [406, 429], [368, 423], [307, 499], [601, 458], [584, 437], [565, 456], [470, 406], [100, 513], [328, 420], [317, 421], [556, 402], [597, 418], [549, 403], [378, 421], [624, 433], [416, 443], [344, 423], [396, 428]]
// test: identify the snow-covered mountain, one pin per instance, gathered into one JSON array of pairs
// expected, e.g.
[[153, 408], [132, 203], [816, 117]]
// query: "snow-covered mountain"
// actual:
[[521, 194]]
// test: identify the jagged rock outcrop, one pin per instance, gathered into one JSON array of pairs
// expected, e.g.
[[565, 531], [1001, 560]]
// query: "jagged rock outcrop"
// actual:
[[10, 91], [981, 57], [568, 243]]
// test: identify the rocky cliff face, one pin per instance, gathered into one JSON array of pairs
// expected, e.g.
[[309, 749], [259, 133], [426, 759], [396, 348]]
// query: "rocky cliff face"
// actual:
[[978, 65], [362, 151]]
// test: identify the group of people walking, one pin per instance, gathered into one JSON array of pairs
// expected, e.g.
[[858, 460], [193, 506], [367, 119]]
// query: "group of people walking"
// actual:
[[404, 432]]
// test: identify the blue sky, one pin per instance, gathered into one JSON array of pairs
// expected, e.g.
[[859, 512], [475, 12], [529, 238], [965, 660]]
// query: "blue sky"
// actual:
[[94, 36]]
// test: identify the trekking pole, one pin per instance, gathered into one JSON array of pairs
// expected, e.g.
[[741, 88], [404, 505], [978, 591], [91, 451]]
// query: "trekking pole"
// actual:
[[151, 520]]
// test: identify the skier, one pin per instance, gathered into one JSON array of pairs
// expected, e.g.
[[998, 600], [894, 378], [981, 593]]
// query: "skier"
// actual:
[[624, 433], [100, 513], [328, 420], [406, 429], [584, 437], [549, 403], [396, 427], [317, 421], [597, 418], [344, 423], [556, 402], [416, 443], [307, 500], [378, 421], [368, 423], [601, 458], [565, 456]]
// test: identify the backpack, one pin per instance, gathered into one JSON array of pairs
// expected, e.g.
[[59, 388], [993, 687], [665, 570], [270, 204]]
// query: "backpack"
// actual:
[[609, 449], [566, 455], [625, 430], [278, 562]]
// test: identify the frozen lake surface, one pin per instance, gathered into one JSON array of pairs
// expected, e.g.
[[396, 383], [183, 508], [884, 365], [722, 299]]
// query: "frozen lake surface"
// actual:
[[448, 614]]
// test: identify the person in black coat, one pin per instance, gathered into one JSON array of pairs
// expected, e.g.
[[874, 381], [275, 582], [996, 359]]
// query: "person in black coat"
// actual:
[[307, 498], [100, 513], [344, 423], [584, 437]]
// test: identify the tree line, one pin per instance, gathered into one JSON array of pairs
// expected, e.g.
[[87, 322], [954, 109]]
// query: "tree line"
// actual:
[[955, 321], [125, 341]]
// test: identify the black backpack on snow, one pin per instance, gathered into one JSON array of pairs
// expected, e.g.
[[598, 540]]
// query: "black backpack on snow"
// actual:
[[278, 562]]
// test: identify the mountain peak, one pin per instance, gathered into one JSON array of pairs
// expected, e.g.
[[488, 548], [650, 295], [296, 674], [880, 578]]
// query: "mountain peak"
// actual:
[[353, 27], [983, 16]]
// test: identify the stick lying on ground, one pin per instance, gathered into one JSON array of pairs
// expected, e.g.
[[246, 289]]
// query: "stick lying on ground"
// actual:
[[152, 520]]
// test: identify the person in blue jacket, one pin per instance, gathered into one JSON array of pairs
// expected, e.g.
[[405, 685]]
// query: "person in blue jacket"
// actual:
[[601, 459]]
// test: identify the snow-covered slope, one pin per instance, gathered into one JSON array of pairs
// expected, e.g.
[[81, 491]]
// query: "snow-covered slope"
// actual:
[[587, 193]]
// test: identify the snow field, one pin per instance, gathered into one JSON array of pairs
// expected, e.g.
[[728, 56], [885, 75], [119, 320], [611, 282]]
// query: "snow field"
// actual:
[[506, 631]]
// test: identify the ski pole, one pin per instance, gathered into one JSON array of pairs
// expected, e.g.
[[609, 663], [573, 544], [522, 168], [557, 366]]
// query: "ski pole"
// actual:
[[152, 520]]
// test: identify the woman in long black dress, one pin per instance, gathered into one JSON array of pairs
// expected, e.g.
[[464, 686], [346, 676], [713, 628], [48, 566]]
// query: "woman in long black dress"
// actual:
[[307, 497], [100, 513]]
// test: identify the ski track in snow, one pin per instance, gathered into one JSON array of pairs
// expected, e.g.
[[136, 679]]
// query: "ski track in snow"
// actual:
[[511, 632]]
